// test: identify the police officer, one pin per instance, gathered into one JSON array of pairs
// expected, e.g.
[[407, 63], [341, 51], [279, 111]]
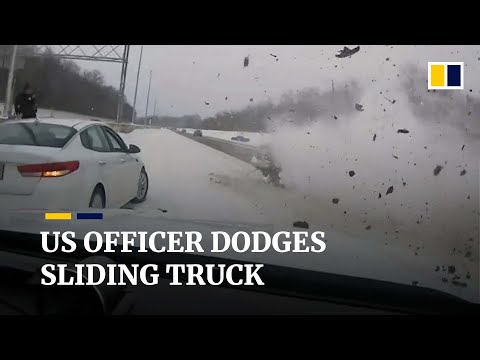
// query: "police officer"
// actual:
[[25, 103]]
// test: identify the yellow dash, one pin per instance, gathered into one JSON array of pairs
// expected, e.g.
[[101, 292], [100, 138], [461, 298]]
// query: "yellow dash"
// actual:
[[437, 75], [58, 216]]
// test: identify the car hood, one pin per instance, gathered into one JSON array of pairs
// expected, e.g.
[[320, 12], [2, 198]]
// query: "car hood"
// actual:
[[343, 255]]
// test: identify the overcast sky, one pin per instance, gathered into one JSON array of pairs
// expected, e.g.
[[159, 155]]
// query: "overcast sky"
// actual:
[[186, 76]]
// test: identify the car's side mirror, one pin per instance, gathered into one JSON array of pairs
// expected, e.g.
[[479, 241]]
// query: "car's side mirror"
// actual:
[[133, 149]]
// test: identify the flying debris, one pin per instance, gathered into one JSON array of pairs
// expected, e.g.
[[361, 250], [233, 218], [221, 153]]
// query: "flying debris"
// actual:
[[463, 147], [437, 170], [246, 61], [218, 75], [346, 52], [301, 224], [374, 137], [335, 200], [275, 56], [207, 103], [226, 97], [251, 99], [359, 107], [390, 190], [396, 157], [390, 101], [351, 173], [402, 131], [463, 172]]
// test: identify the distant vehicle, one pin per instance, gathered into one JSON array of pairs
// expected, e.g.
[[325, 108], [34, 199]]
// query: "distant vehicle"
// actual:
[[68, 164], [240, 138], [197, 133]]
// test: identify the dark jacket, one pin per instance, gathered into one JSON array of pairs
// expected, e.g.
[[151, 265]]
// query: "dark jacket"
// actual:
[[25, 105]]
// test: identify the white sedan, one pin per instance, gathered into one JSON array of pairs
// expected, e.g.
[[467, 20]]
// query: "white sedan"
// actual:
[[67, 164]]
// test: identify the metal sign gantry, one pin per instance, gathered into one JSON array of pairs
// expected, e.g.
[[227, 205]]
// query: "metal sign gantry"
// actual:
[[108, 53]]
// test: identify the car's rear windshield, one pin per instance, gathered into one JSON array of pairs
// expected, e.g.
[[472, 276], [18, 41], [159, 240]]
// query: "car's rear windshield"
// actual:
[[35, 134]]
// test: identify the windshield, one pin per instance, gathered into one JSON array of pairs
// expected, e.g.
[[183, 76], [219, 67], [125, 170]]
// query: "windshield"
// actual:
[[34, 134], [371, 145]]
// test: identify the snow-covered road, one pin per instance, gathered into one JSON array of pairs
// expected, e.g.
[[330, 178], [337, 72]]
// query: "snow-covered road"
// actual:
[[193, 181], [184, 178]]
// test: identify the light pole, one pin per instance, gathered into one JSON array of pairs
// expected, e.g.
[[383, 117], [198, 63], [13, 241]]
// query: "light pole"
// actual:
[[8, 99], [134, 113], [148, 96], [123, 78]]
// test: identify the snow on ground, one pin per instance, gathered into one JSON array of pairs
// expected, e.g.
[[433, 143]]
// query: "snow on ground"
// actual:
[[193, 181], [183, 181], [68, 115], [44, 113], [256, 139]]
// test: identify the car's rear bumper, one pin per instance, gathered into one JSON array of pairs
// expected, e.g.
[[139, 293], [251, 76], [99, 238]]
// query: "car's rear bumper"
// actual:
[[50, 194]]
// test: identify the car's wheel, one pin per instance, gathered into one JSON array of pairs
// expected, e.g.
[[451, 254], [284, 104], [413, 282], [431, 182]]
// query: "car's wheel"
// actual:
[[97, 200], [142, 189]]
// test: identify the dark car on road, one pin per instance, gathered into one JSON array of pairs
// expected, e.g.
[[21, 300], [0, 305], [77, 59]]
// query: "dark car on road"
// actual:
[[240, 138]]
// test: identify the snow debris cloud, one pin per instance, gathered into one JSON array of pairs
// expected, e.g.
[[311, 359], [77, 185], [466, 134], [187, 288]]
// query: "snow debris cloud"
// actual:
[[310, 104], [394, 187]]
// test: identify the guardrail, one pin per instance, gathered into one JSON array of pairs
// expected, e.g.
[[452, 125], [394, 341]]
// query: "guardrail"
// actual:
[[129, 127], [258, 157], [120, 127], [239, 151]]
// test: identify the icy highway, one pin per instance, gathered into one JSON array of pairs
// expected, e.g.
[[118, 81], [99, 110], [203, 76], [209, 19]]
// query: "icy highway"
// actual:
[[192, 181]]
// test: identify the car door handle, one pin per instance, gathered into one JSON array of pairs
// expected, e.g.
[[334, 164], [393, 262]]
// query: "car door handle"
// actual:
[[101, 162]]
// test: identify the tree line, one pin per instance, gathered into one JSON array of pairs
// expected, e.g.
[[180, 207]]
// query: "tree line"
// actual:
[[62, 85], [302, 106]]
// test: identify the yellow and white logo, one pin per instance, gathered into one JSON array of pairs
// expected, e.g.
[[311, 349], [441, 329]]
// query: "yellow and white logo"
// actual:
[[445, 75]]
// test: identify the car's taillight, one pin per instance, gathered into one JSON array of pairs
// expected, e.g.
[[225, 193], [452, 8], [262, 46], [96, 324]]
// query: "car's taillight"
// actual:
[[49, 170]]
